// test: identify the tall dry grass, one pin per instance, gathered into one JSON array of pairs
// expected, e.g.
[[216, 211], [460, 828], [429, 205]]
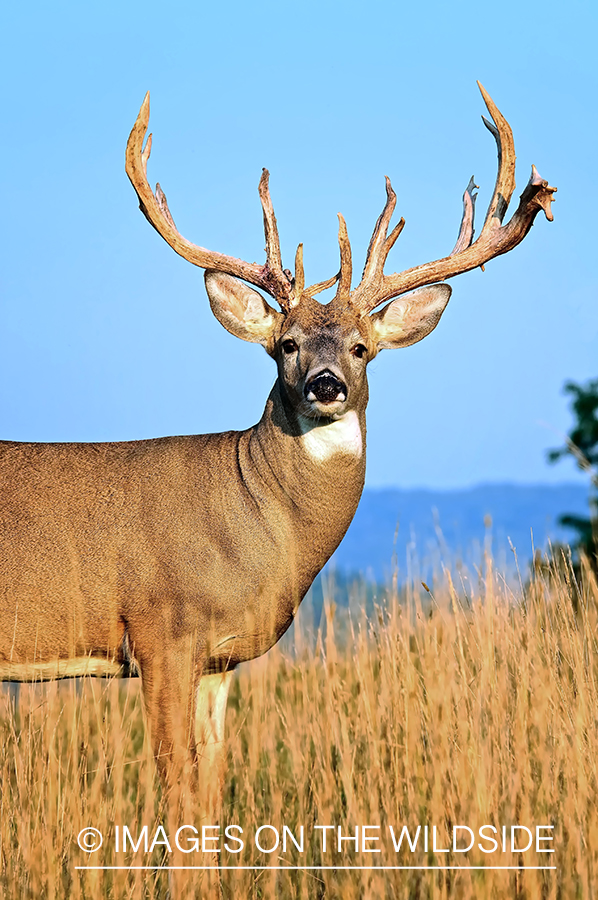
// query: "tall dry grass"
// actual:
[[473, 704]]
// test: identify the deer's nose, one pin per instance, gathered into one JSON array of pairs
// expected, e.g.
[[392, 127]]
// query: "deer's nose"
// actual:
[[325, 388]]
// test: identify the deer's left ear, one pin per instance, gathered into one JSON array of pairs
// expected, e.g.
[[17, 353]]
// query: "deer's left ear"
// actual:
[[410, 317]]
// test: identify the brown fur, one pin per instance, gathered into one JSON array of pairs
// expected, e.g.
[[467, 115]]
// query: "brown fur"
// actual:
[[183, 556]]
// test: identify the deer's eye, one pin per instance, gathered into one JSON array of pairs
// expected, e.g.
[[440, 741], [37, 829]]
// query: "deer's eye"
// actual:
[[289, 346], [359, 350]]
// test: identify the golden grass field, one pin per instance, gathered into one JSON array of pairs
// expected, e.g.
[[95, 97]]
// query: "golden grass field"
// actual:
[[474, 704]]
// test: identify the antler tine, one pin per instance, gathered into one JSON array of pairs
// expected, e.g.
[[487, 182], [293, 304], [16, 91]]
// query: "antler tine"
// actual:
[[378, 250], [344, 274], [270, 277], [505, 178], [346, 270], [378, 237], [163, 204], [321, 286], [273, 257], [299, 284], [494, 238], [466, 231], [390, 240], [145, 155]]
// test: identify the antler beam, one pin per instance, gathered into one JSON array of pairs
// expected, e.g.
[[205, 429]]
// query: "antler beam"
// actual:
[[270, 276], [494, 239]]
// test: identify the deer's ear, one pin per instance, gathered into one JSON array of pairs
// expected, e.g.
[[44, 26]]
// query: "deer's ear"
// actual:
[[240, 309], [410, 317]]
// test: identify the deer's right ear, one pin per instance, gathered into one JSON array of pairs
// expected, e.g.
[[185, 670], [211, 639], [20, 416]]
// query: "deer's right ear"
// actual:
[[241, 310], [410, 317]]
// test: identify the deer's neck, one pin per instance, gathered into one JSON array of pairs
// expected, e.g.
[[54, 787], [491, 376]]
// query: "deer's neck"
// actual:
[[315, 471]]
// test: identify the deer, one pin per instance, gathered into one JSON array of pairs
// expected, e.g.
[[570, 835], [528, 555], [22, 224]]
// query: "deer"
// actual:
[[178, 558]]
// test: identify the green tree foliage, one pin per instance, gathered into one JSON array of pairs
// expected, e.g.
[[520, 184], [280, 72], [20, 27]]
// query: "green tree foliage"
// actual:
[[582, 444]]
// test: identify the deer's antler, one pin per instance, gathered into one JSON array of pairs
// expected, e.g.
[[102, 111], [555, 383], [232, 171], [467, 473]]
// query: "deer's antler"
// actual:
[[494, 239], [375, 287], [270, 277]]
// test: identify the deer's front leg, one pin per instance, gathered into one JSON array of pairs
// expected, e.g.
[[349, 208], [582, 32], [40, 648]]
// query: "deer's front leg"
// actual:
[[169, 676], [211, 697]]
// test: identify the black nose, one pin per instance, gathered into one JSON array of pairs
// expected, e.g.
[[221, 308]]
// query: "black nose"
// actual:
[[326, 388]]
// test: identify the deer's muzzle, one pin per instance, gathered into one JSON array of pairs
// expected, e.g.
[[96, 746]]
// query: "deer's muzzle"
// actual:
[[325, 388]]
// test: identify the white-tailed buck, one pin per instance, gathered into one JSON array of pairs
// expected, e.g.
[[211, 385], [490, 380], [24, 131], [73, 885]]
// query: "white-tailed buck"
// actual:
[[179, 558]]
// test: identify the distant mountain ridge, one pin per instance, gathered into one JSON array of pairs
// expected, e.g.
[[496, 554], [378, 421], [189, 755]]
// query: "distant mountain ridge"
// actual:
[[422, 527]]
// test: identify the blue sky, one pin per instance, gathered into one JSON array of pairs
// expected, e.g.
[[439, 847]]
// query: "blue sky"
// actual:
[[106, 334]]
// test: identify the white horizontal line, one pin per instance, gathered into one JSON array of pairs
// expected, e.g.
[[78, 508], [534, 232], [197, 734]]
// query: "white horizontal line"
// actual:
[[306, 868]]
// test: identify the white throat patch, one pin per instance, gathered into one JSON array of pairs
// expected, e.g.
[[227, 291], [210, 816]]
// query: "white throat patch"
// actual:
[[340, 436]]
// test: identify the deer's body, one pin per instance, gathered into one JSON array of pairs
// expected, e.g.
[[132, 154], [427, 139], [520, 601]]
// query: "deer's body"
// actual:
[[211, 538], [179, 558]]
